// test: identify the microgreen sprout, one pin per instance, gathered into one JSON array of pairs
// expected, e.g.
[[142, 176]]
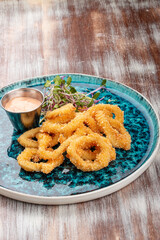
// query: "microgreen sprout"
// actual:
[[59, 92]]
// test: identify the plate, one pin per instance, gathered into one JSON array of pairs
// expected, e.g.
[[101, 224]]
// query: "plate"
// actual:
[[66, 184]]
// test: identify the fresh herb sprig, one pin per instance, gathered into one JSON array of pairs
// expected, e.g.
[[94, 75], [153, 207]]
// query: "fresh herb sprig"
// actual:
[[62, 92]]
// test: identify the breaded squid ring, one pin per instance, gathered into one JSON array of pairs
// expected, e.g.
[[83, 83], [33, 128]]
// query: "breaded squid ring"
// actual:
[[24, 160], [87, 153], [83, 130], [90, 122], [108, 110], [70, 128], [114, 131], [62, 120], [50, 165], [26, 138], [80, 131], [49, 140], [79, 123], [66, 129], [46, 152], [45, 144], [62, 115], [102, 159], [50, 127]]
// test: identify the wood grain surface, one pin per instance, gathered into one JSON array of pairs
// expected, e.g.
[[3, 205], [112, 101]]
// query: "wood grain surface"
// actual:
[[117, 39]]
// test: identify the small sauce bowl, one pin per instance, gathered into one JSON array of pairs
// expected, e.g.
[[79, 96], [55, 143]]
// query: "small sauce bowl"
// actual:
[[26, 120]]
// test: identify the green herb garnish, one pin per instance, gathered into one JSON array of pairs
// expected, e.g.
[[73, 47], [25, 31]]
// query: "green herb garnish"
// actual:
[[59, 92]]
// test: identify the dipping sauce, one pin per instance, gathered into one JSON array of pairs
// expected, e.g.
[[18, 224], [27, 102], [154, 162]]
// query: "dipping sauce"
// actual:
[[22, 104]]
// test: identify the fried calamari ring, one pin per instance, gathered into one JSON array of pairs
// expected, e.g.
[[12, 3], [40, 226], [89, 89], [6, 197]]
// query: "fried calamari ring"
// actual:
[[24, 160], [70, 128], [26, 139], [101, 160], [81, 120], [45, 144], [46, 152], [90, 122], [114, 131], [109, 110], [62, 115], [66, 129], [61, 120], [83, 130], [80, 131], [61, 138], [50, 127], [88, 153], [50, 165], [46, 140]]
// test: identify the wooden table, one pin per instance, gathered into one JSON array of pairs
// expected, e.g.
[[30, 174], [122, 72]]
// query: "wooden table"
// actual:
[[117, 39]]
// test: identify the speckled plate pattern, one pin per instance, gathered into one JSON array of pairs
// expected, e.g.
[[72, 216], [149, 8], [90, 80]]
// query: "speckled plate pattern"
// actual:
[[66, 184]]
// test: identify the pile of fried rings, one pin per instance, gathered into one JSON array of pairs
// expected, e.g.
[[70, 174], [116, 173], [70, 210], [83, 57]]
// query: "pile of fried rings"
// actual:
[[88, 138]]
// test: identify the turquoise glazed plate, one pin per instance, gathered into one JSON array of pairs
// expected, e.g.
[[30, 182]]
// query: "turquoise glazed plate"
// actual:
[[66, 184]]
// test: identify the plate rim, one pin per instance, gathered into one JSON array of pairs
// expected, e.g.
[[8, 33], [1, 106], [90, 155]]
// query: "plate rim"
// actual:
[[95, 194]]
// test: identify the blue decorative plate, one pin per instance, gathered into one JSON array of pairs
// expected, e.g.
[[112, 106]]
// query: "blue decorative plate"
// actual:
[[67, 184]]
